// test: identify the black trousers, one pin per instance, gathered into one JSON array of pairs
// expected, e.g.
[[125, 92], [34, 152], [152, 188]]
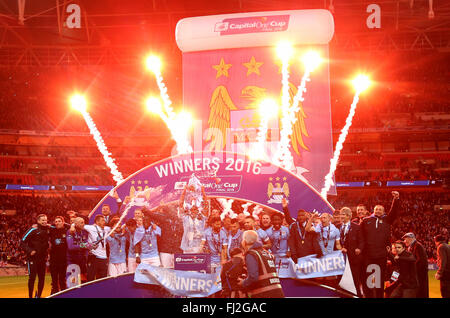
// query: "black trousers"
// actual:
[[36, 267], [96, 268], [58, 273], [445, 289], [376, 292], [356, 265], [401, 292]]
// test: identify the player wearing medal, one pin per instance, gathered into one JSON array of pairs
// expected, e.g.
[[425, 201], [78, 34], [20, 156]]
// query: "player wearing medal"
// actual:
[[97, 266], [234, 238], [213, 243], [130, 229], [279, 236], [301, 242], [193, 215], [249, 225], [329, 235], [146, 244], [117, 254]]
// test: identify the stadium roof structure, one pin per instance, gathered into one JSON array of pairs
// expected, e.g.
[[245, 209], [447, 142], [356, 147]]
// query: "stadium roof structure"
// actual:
[[35, 33]]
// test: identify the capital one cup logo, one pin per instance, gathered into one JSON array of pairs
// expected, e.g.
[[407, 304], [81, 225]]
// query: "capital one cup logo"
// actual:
[[221, 26]]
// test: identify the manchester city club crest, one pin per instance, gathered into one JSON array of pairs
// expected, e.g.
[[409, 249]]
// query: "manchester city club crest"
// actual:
[[275, 191]]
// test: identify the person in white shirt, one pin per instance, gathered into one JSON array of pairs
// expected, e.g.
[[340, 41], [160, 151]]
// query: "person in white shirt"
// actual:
[[97, 266]]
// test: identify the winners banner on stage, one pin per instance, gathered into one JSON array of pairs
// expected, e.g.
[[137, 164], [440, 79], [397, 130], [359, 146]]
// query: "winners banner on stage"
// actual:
[[196, 284], [311, 266], [230, 66], [179, 283]]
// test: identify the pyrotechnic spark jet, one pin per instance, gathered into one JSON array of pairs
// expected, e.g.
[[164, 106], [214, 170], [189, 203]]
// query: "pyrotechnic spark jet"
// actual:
[[283, 155], [177, 124], [360, 84], [267, 109], [311, 61], [79, 103], [154, 65]]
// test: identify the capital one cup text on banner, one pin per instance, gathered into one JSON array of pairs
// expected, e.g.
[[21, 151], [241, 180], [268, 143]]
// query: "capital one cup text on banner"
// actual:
[[223, 88]]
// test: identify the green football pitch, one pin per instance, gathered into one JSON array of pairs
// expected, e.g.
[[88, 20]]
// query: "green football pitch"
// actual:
[[16, 286]]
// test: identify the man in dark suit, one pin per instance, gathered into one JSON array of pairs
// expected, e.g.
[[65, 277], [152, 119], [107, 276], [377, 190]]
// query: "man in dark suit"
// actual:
[[301, 242], [420, 254], [352, 245]]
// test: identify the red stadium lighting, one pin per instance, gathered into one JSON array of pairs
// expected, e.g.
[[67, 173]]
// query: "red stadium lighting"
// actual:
[[78, 102]]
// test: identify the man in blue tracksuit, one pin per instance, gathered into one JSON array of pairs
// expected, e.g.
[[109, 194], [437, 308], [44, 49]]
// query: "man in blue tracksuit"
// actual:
[[35, 244], [58, 254]]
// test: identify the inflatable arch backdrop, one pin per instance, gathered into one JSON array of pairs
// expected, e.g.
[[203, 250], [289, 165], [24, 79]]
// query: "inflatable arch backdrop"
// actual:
[[225, 175]]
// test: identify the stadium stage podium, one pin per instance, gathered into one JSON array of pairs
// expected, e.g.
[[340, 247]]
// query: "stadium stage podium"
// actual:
[[123, 286]]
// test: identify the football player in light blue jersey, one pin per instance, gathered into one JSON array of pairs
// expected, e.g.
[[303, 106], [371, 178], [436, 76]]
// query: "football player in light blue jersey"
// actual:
[[146, 244], [213, 243], [130, 230], [329, 235], [234, 239], [194, 215], [249, 225], [117, 254], [279, 236]]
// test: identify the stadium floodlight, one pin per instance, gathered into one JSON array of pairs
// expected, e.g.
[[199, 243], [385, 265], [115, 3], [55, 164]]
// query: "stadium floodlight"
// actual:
[[78, 102]]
